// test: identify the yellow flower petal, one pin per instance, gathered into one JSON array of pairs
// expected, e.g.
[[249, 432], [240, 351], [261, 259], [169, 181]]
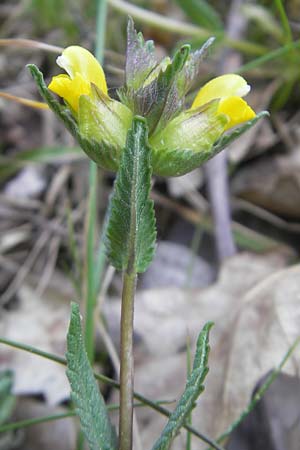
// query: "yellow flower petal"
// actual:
[[70, 89], [236, 109], [229, 89], [224, 86], [76, 60]]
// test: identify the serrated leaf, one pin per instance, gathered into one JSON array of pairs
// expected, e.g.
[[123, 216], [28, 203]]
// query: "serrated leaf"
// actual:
[[194, 387], [229, 137], [103, 155], [193, 67], [131, 233], [7, 399], [88, 401], [175, 162], [61, 111], [140, 57]]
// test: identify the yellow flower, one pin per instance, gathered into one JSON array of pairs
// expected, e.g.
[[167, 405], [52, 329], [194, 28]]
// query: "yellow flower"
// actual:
[[82, 69], [229, 89]]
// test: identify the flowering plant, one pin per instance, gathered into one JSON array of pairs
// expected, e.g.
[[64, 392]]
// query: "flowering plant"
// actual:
[[147, 130], [180, 139]]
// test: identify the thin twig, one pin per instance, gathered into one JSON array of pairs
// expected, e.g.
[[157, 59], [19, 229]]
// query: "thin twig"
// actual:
[[216, 169], [32, 44], [50, 266], [25, 269], [111, 350]]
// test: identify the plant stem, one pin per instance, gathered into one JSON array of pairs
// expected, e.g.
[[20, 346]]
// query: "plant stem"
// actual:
[[35, 421], [91, 292], [126, 360], [100, 29], [51, 418], [188, 372]]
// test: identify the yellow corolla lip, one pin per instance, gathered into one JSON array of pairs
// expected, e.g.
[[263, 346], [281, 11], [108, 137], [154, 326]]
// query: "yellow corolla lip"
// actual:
[[70, 89], [82, 69], [229, 89], [237, 110]]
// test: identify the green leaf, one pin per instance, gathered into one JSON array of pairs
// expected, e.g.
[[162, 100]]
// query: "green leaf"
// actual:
[[7, 399], [140, 57], [201, 13], [131, 234], [61, 111], [194, 387], [86, 396], [175, 162], [229, 137]]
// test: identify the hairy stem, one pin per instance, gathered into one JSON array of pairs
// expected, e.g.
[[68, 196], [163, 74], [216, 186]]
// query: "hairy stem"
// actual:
[[126, 367]]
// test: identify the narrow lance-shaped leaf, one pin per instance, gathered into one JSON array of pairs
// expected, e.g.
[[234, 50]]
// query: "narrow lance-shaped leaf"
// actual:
[[193, 68], [194, 387], [61, 111], [131, 233], [85, 393]]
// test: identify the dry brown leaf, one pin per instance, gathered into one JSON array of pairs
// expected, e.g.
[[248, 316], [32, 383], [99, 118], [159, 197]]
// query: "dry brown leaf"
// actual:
[[257, 317], [271, 182], [265, 327], [41, 323]]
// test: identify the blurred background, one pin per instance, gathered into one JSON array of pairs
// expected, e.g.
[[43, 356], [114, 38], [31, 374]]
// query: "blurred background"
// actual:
[[228, 233]]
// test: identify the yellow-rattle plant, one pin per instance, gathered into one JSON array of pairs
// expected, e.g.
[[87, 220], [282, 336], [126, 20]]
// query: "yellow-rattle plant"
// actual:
[[149, 129], [180, 138]]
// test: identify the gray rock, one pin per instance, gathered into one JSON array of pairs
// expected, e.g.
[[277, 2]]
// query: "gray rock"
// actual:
[[175, 265]]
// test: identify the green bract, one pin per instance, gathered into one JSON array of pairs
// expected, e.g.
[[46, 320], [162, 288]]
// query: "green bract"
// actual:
[[180, 140]]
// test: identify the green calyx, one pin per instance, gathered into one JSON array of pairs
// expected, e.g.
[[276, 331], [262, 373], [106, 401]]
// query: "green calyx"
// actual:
[[187, 141]]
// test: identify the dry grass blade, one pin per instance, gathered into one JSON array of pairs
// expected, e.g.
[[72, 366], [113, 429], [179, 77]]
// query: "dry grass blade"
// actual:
[[31, 44], [24, 101], [50, 265]]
